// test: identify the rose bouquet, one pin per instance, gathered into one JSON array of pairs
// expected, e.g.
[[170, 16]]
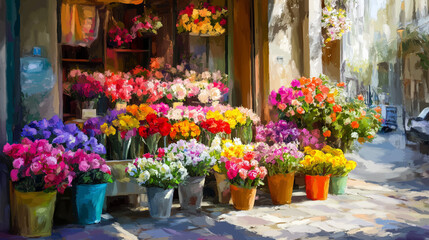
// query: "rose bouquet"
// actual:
[[209, 20], [88, 168], [68, 135], [244, 175], [38, 166], [147, 23], [185, 130]]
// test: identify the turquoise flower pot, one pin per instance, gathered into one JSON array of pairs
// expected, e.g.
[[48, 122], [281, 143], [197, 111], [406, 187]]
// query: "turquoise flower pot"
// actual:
[[338, 185], [88, 202]]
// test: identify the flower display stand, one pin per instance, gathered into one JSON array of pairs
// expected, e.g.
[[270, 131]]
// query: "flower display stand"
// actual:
[[124, 186]]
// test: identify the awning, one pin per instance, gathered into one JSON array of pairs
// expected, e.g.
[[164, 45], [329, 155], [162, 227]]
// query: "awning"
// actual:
[[101, 2]]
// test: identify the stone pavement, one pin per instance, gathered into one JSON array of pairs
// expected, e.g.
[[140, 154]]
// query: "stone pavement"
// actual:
[[367, 211]]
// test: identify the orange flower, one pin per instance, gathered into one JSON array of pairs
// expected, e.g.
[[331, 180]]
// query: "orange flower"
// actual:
[[158, 75], [355, 124], [305, 91], [360, 97], [154, 64], [361, 140], [378, 109], [341, 84], [319, 97], [300, 110], [333, 117], [324, 89], [330, 99], [337, 108], [370, 137], [281, 106], [316, 81], [377, 116], [327, 133], [308, 99]]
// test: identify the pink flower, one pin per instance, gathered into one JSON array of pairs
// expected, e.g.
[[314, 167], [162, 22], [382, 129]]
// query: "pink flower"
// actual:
[[17, 163], [105, 168], [95, 164], [35, 167], [243, 173], [263, 172], [51, 161], [252, 174], [84, 166], [232, 173], [254, 163], [14, 175]]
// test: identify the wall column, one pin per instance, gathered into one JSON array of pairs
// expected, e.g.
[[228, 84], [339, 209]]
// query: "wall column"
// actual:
[[312, 34]]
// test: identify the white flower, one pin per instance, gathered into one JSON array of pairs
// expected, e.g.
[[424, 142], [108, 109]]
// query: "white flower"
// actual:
[[205, 75], [217, 76], [247, 148], [328, 120], [153, 172], [237, 141], [215, 94], [143, 177], [164, 169], [355, 135], [203, 97], [347, 121]]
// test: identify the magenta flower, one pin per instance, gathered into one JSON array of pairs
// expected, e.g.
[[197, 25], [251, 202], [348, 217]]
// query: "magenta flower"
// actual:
[[84, 166]]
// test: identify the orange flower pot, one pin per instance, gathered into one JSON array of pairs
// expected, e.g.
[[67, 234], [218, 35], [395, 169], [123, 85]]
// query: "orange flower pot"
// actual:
[[317, 187], [243, 198], [281, 188]]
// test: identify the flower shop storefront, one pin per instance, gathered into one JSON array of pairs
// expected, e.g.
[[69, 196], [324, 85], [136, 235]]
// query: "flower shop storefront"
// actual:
[[165, 95]]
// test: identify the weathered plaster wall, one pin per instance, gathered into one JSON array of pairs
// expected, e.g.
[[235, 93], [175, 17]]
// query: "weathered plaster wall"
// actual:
[[39, 28], [285, 36]]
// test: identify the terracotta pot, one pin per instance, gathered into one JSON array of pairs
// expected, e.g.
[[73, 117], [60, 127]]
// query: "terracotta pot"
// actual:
[[243, 198], [223, 188], [317, 187], [281, 188], [32, 213]]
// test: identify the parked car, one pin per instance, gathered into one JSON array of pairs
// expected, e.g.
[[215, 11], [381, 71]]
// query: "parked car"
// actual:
[[417, 129]]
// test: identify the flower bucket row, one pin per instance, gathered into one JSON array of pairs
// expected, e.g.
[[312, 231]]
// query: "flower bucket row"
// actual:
[[162, 83]]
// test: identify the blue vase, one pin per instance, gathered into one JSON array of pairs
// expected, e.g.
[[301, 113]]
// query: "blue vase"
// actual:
[[88, 202], [160, 202]]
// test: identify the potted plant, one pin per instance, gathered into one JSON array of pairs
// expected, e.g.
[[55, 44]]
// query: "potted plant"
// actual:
[[160, 176], [245, 176], [341, 167], [317, 167], [38, 173], [148, 23], [281, 161], [91, 175], [197, 161]]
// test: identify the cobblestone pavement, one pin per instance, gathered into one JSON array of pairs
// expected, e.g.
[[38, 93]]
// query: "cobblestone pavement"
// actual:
[[387, 198]]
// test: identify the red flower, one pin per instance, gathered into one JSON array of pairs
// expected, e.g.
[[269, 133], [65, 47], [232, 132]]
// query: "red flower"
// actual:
[[196, 21], [337, 108], [341, 84], [222, 22], [143, 131], [319, 97], [161, 152], [360, 97], [355, 124]]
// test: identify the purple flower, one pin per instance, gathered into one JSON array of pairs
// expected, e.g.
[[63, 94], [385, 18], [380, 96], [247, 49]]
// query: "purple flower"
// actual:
[[29, 132], [42, 124], [71, 128]]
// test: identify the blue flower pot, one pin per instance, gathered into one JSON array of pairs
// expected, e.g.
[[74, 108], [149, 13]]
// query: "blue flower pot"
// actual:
[[88, 202], [160, 202]]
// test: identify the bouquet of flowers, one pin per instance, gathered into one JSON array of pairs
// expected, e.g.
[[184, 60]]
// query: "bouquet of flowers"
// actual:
[[193, 155], [191, 113], [245, 172], [161, 108], [83, 86], [209, 20], [69, 135], [213, 127], [118, 87], [145, 24], [340, 165], [153, 129], [139, 71], [147, 91], [334, 23], [185, 130], [38, 166], [88, 168], [161, 173], [278, 132], [317, 162], [230, 149], [279, 158], [119, 37]]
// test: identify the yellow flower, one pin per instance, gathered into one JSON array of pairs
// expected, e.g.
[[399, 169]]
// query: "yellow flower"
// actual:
[[204, 12], [195, 14], [185, 18], [108, 130]]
